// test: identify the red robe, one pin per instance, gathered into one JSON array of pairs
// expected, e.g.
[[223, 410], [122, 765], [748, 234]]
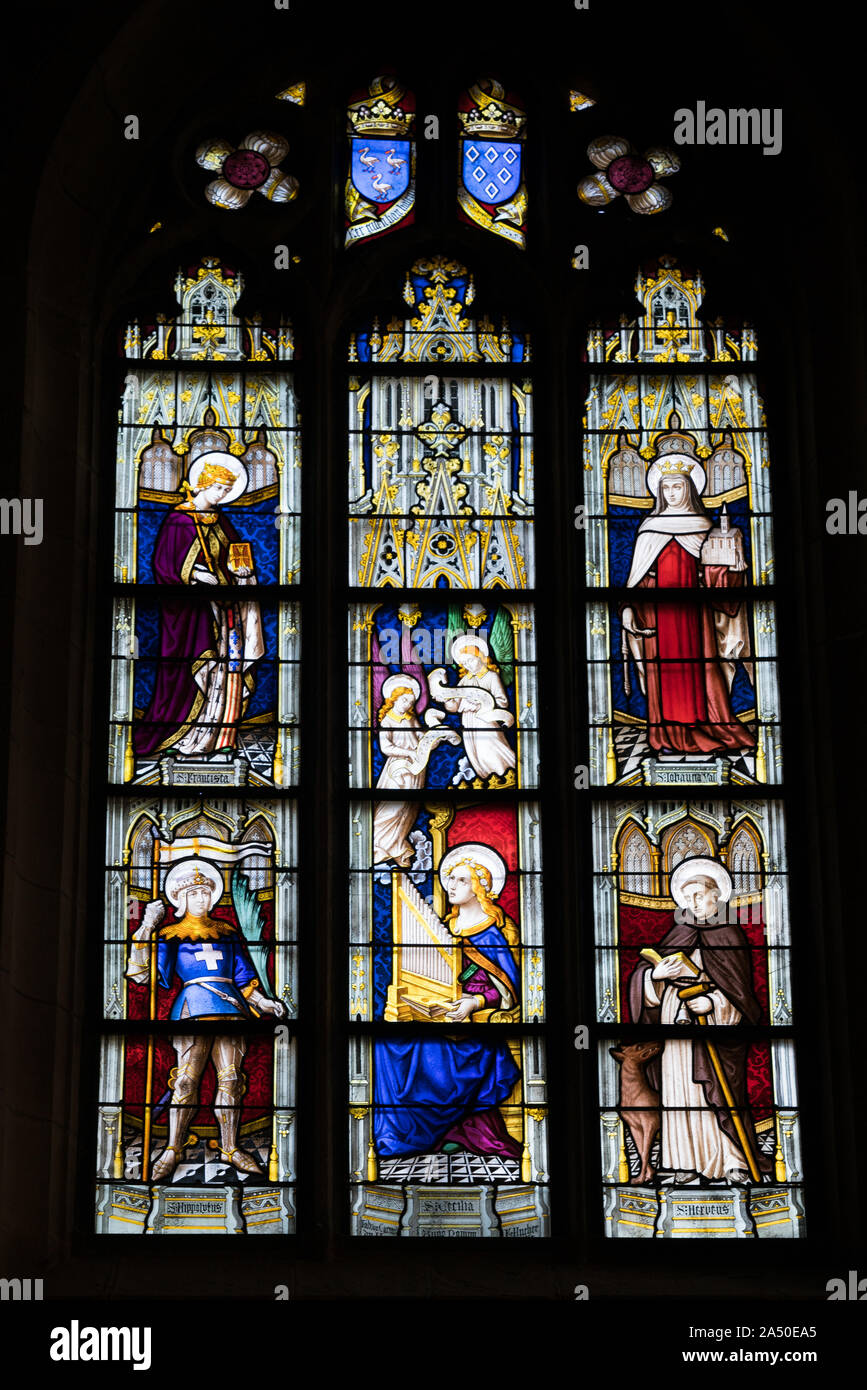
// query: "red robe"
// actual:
[[688, 706]]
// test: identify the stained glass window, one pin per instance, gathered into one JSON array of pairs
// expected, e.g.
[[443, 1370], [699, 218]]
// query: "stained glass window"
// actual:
[[441, 463], [448, 658], [197, 1084], [253, 166], [380, 185], [621, 170], [683, 685], [699, 1118], [447, 1077], [491, 190]]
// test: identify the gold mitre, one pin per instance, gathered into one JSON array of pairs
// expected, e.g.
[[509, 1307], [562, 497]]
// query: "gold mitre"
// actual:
[[378, 115], [492, 115]]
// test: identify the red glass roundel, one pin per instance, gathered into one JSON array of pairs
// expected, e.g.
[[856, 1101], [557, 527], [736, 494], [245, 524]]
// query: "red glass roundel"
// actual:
[[246, 169], [629, 174]]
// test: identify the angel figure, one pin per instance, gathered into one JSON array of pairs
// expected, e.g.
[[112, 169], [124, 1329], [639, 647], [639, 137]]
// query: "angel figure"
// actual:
[[407, 746], [481, 700]]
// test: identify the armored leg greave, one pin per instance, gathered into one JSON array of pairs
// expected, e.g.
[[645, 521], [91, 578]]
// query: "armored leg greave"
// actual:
[[192, 1054], [228, 1055]]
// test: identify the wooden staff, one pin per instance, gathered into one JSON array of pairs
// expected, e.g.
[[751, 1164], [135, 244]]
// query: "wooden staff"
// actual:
[[692, 992]]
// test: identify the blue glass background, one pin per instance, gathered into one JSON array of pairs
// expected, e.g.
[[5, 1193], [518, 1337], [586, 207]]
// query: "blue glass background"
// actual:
[[264, 698], [443, 763], [255, 524]]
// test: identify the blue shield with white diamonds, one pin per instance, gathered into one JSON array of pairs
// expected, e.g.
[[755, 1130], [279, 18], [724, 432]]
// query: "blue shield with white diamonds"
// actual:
[[491, 169]]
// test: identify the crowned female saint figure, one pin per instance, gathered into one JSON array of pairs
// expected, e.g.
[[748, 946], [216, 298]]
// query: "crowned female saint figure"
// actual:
[[443, 1094], [407, 746], [684, 649], [204, 676]]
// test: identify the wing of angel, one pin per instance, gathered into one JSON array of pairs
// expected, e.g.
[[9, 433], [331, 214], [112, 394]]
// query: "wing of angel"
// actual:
[[501, 643]]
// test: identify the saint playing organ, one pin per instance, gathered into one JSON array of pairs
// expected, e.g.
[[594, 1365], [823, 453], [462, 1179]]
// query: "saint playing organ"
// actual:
[[444, 1094]]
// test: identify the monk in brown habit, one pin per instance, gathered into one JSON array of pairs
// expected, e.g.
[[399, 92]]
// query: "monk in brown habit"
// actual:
[[706, 1134]]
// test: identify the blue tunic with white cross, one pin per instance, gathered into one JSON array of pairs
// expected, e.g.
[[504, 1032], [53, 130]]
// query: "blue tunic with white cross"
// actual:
[[212, 974]]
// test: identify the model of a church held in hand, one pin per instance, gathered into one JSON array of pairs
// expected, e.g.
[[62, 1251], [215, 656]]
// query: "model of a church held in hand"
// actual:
[[724, 544]]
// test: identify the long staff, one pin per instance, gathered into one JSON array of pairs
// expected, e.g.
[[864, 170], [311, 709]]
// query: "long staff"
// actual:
[[692, 992], [152, 1013]]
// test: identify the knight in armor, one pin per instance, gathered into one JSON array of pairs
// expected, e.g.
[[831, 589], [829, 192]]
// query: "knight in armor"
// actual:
[[218, 981]]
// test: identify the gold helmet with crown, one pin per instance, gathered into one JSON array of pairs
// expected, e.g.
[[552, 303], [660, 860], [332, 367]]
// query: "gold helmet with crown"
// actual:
[[216, 473]]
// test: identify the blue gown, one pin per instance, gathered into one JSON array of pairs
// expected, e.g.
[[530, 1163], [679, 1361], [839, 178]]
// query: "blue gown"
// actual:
[[424, 1086]]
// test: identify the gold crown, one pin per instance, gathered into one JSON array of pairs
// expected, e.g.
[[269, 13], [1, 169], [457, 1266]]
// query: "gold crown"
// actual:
[[381, 120], [677, 466], [195, 880], [499, 121], [379, 114], [216, 473]]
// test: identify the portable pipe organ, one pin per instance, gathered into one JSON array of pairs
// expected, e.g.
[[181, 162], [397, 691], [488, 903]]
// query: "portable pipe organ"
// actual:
[[426, 959]]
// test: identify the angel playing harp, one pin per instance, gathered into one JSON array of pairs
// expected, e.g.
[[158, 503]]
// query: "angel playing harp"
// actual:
[[222, 971]]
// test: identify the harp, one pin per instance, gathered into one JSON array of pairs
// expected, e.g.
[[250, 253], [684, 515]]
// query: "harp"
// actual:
[[426, 959]]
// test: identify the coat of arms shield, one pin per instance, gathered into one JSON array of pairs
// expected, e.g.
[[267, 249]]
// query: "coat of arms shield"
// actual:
[[380, 168], [491, 169]]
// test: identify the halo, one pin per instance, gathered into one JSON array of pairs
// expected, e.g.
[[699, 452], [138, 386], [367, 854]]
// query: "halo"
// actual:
[[407, 682], [689, 869], [476, 854], [227, 461], [468, 639], [186, 869], [695, 470]]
